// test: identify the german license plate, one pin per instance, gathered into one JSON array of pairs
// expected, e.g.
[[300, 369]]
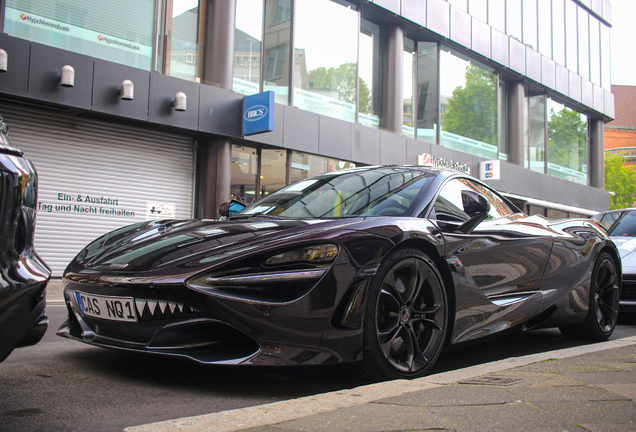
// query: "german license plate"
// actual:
[[106, 307]]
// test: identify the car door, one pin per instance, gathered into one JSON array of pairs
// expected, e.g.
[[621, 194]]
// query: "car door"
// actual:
[[497, 267]]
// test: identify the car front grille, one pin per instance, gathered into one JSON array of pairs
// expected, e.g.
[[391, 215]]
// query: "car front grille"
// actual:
[[629, 289]]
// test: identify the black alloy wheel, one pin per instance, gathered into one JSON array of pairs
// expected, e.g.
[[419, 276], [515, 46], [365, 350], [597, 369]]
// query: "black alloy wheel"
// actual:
[[406, 319], [602, 315]]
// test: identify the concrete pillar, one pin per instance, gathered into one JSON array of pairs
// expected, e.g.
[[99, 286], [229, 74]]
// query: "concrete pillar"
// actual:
[[214, 171], [393, 76], [218, 46], [214, 174], [596, 168], [516, 99]]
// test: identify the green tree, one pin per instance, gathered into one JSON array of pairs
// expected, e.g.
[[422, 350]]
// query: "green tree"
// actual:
[[621, 181], [343, 79], [472, 111], [567, 138]]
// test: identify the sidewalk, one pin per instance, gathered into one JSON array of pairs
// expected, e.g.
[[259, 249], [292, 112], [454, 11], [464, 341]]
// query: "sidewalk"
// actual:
[[586, 388]]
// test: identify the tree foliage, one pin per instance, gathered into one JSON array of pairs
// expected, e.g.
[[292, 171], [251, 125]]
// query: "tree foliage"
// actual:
[[620, 180], [342, 79], [567, 138], [472, 111]]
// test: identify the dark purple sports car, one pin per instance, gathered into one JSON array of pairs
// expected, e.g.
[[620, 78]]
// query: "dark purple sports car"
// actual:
[[384, 266]]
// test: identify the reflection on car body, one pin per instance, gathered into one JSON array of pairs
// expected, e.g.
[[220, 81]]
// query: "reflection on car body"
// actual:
[[383, 266], [24, 275]]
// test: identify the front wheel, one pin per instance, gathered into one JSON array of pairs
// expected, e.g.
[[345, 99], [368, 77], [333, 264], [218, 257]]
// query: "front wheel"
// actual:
[[406, 317], [602, 315]]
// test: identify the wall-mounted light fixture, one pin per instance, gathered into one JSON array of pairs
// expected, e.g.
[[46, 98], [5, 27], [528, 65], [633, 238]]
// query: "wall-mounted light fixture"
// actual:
[[127, 90], [68, 76], [4, 58], [180, 101]]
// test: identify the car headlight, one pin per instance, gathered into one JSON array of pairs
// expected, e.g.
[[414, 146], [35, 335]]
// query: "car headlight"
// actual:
[[315, 254], [269, 277]]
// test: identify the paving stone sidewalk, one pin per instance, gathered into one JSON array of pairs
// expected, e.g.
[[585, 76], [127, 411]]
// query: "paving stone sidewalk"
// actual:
[[588, 388]]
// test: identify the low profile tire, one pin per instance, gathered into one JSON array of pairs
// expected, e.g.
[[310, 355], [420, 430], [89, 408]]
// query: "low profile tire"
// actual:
[[602, 315], [406, 317]]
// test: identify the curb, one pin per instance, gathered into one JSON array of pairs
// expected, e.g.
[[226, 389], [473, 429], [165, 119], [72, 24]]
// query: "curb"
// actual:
[[278, 412]]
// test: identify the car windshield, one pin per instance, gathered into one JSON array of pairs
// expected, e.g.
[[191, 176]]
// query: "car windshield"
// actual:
[[359, 192], [622, 226]]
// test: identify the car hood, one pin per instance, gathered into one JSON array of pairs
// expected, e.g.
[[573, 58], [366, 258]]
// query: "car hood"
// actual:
[[626, 247], [184, 247]]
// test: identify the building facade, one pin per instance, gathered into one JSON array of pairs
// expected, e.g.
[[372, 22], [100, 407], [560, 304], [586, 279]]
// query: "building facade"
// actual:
[[358, 82], [620, 133]]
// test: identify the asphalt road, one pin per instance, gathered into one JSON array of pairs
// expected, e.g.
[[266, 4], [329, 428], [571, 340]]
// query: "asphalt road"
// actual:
[[62, 385]]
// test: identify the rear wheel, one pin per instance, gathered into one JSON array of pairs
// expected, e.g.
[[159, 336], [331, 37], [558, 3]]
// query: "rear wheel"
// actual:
[[406, 317], [601, 318]]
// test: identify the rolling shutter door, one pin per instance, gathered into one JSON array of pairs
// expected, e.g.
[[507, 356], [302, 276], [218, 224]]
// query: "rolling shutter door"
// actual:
[[95, 177]]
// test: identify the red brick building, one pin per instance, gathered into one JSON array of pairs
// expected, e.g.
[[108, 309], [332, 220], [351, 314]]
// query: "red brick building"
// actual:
[[620, 133]]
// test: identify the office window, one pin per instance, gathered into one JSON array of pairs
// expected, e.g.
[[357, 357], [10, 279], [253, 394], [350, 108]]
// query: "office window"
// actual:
[[273, 171], [545, 27], [306, 165], [478, 9], [497, 14], [530, 23], [469, 94], [558, 31], [97, 29], [605, 57], [408, 73], [571, 36], [567, 143], [276, 45], [595, 51], [244, 172], [369, 100], [535, 157], [247, 46], [427, 92], [513, 19], [326, 58], [584, 42]]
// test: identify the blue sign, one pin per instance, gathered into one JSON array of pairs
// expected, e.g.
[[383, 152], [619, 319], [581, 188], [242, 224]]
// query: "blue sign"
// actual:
[[258, 113]]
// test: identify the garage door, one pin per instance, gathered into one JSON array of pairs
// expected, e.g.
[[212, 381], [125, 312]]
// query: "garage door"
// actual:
[[97, 176]]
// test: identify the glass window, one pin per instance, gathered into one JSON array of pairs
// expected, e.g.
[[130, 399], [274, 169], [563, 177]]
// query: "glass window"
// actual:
[[536, 133], [584, 43], [469, 103], [571, 36], [98, 29], [369, 105], [478, 9], [408, 72], [557, 214], [558, 31], [182, 53], [276, 45], [427, 92], [567, 143], [273, 171], [595, 51], [497, 14], [244, 173], [605, 57], [513, 19], [326, 58], [536, 210], [247, 46], [449, 204], [530, 23], [503, 121], [382, 192], [305, 165], [545, 28], [620, 224]]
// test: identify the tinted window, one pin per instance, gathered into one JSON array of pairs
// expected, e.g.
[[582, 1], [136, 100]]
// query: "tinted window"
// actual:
[[381, 192], [620, 224], [448, 205]]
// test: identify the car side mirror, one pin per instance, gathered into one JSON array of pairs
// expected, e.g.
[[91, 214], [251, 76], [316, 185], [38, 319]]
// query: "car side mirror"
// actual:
[[477, 207], [231, 207]]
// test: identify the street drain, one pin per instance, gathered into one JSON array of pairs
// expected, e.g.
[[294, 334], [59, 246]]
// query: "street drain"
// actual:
[[496, 381]]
